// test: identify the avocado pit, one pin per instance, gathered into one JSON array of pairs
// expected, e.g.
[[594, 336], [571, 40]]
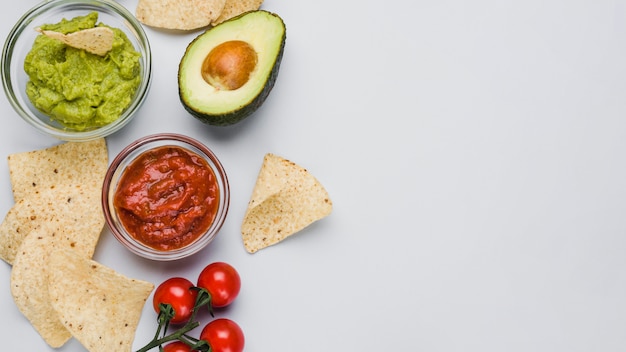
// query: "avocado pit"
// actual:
[[229, 65]]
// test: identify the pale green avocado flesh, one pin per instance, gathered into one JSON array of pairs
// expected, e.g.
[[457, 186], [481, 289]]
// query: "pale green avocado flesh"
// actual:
[[266, 33]]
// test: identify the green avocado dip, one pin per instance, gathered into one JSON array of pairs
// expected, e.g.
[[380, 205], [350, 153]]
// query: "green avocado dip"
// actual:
[[80, 90]]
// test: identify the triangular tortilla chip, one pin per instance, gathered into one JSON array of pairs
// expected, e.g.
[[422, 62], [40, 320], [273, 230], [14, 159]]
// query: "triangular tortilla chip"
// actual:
[[286, 199], [234, 8], [99, 306], [29, 285], [72, 212], [178, 14], [72, 163]]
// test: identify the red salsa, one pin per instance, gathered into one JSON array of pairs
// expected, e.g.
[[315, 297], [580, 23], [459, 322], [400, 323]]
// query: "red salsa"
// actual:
[[167, 197]]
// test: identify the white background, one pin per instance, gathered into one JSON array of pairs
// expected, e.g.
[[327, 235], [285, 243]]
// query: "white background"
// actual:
[[475, 155]]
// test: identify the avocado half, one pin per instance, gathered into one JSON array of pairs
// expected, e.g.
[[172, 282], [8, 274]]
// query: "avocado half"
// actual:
[[251, 46]]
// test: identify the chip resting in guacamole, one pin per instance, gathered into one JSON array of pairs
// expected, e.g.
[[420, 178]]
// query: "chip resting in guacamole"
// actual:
[[80, 90]]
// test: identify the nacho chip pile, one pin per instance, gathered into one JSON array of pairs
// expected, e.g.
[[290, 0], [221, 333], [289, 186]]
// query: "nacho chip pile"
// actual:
[[49, 237], [286, 199], [191, 14], [58, 187]]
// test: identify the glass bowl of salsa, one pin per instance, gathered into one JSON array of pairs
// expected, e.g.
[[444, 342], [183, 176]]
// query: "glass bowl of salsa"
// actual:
[[165, 196], [64, 90]]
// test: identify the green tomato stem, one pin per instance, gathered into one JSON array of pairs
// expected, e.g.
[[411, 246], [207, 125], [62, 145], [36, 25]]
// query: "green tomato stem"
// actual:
[[166, 313]]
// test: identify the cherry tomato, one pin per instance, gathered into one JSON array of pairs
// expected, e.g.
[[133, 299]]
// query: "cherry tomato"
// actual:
[[223, 335], [177, 346], [177, 292], [222, 281]]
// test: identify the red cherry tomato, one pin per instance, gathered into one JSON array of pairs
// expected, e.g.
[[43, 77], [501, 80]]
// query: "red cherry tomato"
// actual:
[[222, 281], [177, 346], [177, 292], [223, 335]]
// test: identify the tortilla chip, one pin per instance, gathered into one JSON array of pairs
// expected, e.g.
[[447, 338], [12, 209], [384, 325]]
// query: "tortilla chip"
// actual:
[[285, 200], [61, 187], [234, 8], [96, 40], [29, 286], [67, 163], [99, 306], [73, 213], [178, 14]]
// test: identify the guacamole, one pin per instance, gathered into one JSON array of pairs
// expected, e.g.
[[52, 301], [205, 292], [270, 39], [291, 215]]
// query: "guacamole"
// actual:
[[78, 89]]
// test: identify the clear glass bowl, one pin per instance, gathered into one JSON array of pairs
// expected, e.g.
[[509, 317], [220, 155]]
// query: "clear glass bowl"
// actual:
[[20, 40], [120, 164]]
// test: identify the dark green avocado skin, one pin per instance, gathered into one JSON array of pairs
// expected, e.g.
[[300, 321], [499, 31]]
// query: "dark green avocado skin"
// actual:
[[238, 115]]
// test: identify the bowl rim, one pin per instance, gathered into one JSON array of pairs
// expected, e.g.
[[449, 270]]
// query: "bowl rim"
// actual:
[[126, 156], [132, 26]]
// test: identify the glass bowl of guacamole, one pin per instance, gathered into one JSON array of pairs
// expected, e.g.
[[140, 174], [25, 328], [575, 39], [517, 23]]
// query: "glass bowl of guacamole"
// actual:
[[66, 91]]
